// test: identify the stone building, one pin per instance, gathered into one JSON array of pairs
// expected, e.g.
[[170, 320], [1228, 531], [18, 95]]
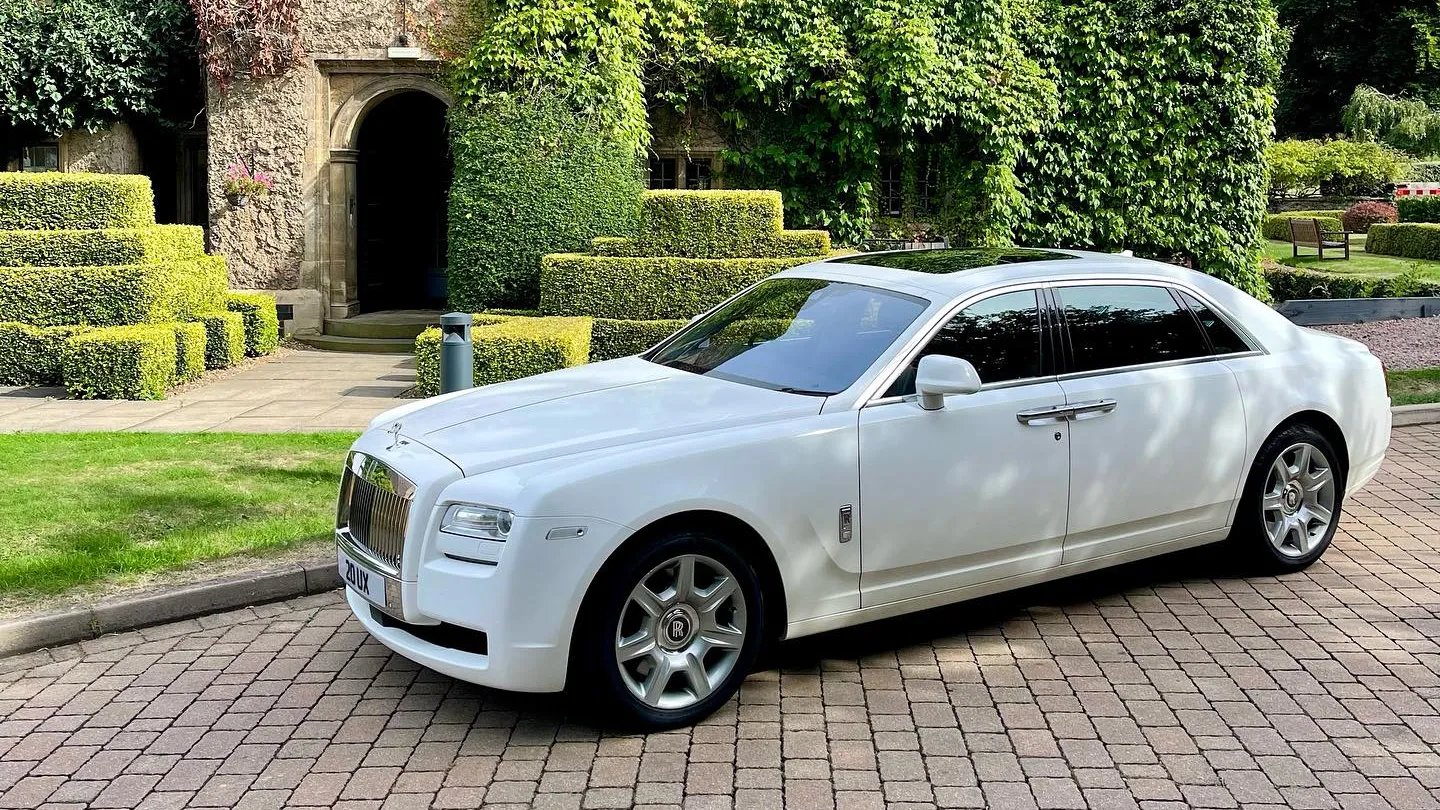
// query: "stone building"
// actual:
[[354, 138]]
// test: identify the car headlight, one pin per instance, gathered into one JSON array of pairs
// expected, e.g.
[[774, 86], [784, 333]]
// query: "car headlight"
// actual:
[[472, 520]]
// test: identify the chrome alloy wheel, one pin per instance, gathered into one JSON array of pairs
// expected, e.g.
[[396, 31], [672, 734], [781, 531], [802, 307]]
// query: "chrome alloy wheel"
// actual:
[[680, 632], [1299, 500]]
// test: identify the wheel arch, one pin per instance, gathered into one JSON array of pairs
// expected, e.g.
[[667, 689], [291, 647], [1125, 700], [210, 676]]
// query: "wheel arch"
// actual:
[[745, 536], [1322, 422]]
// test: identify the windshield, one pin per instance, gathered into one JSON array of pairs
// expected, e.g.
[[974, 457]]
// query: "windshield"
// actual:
[[798, 335]]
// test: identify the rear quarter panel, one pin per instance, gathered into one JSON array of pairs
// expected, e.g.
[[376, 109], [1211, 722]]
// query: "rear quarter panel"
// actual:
[[1313, 371]]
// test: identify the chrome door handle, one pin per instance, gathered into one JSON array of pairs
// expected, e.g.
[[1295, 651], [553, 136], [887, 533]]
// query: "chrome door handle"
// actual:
[[1091, 409], [1049, 415]]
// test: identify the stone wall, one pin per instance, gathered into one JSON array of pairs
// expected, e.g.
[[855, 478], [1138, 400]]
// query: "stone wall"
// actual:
[[113, 150], [282, 125]]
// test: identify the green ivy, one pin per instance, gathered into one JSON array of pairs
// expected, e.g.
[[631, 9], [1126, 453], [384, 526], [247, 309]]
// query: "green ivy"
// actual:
[[1165, 113], [83, 64]]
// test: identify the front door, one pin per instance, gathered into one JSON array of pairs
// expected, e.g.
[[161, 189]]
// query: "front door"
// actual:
[[1158, 436], [969, 493]]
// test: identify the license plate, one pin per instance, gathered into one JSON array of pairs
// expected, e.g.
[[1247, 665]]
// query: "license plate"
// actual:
[[362, 580]]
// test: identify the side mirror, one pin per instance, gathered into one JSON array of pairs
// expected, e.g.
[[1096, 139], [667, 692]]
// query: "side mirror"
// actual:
[[939, 375]]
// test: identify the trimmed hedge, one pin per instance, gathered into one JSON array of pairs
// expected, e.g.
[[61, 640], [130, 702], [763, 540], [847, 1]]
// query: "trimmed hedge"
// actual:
[[262, 325], [1418, 209], [189, 351], [1412, 240], [1277, 226], [646, 288], [532, 176], [508, 348], [1289, 284], [224, 338], [156, 243], [120, 362], [113, 295], [611, 338], [65, 200], [716, 225], [30, 355]]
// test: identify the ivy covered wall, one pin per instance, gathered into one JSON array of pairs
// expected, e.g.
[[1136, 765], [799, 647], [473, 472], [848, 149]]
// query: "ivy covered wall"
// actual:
[[1089, 123], [1165, 110]]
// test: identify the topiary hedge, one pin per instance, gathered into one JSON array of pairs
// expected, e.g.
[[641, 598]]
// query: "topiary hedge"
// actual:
[[715, 225], [31, 355], [1277, 226], [1413, 240], [189, 351], [1289, 283], [113, 295], [508, 348], [1418, 209], [646, 288], [66, 200], [531, 177], [611, 338], [71, 248], [120, 362], [262, 324], [224, 338]]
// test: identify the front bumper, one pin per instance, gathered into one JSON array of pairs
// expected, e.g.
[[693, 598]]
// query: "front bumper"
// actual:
[[525, 604]]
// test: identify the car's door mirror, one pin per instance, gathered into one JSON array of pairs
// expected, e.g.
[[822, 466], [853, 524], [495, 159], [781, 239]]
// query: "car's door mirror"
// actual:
[[941, 374]]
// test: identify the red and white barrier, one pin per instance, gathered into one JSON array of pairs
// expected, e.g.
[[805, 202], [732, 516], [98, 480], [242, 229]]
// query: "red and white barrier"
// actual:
[[1417, 190]]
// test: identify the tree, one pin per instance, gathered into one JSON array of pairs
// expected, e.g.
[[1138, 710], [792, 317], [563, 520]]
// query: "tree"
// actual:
[[1408, 124], [1390, 45], [84, 64]]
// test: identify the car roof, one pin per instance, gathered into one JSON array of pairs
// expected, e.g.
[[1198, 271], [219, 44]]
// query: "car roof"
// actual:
[[950, 272]]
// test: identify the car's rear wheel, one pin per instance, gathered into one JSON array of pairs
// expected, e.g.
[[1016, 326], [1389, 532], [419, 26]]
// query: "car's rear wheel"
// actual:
[[1292, 501], [673, 629]]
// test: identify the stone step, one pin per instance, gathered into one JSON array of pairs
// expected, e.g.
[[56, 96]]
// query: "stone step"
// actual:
[[363, 327], [365, 345]]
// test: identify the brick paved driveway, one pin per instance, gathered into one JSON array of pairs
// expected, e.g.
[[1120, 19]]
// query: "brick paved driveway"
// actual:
[[1167, 685]]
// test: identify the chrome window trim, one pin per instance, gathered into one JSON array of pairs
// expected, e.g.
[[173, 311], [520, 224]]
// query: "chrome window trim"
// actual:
[[871, 395], [1023, 381]]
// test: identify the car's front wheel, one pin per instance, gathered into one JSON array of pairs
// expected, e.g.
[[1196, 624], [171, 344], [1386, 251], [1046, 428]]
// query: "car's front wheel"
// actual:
[[673, 628], [1292, 500]]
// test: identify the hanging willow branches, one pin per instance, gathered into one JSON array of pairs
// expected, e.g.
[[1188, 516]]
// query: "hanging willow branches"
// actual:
[[1405, 123], [259, 38]]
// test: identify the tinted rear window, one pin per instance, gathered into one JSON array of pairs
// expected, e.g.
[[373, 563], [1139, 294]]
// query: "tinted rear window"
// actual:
[[1112, 326]]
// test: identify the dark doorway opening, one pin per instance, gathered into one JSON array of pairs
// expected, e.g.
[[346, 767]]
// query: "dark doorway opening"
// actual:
[[401, 183]]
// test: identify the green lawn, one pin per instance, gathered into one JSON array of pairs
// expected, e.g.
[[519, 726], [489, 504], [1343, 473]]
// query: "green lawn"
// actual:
[[82, 508], [1359, 263], [1415, 387]]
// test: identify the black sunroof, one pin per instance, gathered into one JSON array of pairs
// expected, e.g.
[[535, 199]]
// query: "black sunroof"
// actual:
[[952, 260]]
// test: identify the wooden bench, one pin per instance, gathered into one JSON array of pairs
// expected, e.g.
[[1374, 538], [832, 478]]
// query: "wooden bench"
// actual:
[[1308, 233]]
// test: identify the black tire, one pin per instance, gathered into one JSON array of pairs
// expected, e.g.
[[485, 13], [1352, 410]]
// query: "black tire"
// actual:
[[1250, 537], [595, 675]]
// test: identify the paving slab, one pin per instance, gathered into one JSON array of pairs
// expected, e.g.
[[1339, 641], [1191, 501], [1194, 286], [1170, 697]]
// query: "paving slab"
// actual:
[[1169, 684], [299, 390]]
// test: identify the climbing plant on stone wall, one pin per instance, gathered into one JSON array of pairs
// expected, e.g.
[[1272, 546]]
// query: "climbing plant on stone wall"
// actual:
[[258, 38]]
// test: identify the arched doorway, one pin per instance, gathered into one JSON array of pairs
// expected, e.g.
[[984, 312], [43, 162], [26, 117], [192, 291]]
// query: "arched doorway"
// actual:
[[402, 177]]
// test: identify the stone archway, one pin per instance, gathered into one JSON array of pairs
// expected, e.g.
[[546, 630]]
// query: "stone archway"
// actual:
[[332, 239]]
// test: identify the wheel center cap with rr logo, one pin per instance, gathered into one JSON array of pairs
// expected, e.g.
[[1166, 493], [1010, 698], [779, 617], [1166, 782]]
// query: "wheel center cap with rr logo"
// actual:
[[677, 627]]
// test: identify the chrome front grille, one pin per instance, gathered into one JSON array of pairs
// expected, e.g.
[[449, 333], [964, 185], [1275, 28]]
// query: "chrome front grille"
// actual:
[[375, 508]]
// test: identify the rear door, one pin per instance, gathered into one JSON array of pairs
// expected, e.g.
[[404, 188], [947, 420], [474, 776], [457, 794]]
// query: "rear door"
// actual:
[[1157, 435]]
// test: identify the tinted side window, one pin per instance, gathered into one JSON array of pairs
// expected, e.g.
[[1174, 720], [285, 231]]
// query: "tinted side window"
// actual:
[[999, 335], [1222, 337], [1119, 325]]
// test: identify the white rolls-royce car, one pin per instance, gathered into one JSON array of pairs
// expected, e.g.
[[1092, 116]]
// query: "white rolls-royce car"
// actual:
[[850, 439]]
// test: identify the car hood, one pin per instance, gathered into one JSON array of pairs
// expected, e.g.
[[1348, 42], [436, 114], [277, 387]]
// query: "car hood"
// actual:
[[588, 408]]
